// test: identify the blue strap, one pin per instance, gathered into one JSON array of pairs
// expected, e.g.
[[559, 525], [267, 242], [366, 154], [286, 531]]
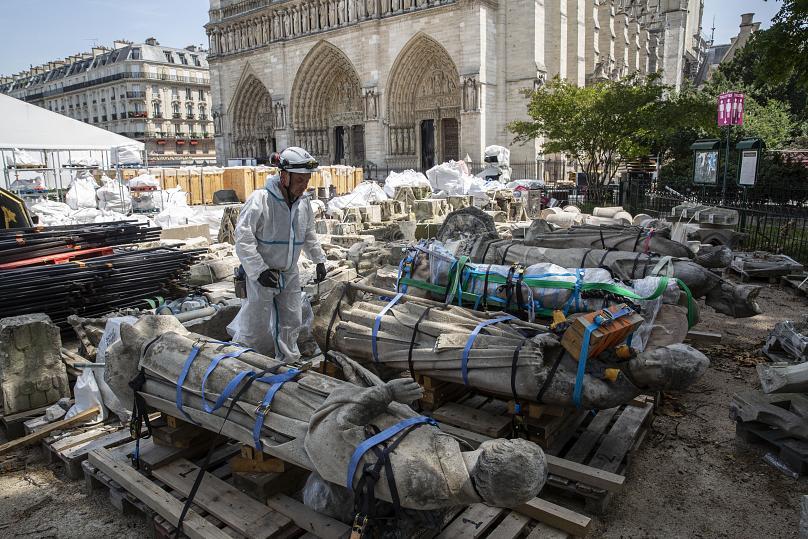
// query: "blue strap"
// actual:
[[262, 411], [187, 367], [378, 322], [383, 436], [470, 342], [230, 386], [577, 393]]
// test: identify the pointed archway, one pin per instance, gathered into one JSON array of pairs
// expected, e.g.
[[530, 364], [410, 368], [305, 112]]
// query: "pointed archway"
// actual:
[[252, 120], [326, 107], [423, 104]]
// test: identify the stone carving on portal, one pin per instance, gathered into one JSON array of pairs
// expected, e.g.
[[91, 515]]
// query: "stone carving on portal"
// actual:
[[471, 93], [253, 118], [279, 108], [371, 103]]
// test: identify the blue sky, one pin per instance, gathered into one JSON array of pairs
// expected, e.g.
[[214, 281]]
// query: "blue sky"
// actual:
[[36, 31]]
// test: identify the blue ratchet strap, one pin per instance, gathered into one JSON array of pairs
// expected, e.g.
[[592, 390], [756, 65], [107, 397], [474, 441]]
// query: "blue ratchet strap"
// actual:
[[576, 293], [383, 436], [231, 386], [378, 322], [262, 410], [470, 342], [187, 367], [599, 320]]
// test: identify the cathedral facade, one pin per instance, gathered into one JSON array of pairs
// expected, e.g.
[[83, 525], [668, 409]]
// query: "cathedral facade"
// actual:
[[412, 83]]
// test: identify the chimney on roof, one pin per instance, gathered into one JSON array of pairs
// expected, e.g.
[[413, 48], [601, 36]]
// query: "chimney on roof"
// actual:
[[98, 51], [152, 41], [191, 48], [746, 19]]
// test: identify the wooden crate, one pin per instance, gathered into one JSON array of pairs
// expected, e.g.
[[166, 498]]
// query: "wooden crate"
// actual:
[[169, 178], [609, 335], [239, 179], [184, 180], [72, 447], [211, 182], [195, 187]]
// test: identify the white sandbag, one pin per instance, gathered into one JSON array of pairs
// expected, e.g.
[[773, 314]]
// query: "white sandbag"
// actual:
[[113, 195], [52, 213], [172, 197], [144, 180], [363, 195], [81, 193], [87, 395], [448, 177], [126, 155], [22, 158], [407, 178], [83, 162], [607, 212], [112, 334]]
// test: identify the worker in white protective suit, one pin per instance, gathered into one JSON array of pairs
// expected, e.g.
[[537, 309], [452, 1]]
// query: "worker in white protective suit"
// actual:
[[275, 224]]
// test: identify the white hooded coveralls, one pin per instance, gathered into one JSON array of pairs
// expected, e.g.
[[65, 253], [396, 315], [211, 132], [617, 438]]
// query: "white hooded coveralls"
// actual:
[[270, 235]]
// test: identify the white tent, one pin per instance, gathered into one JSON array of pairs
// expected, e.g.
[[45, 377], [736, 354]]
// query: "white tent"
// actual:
[[27, 126]]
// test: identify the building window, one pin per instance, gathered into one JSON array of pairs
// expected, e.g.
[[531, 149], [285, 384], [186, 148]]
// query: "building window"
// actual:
[[189, 111], [135, 55], [178, 130], [203, 113], [201, 95], [195, 58], [188, 94], [175, 109], [183, 60], [169, 57], [157, 111]]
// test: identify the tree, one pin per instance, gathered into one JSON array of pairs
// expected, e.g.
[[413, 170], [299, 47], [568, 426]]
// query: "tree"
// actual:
[[604, 125], [784, 46]]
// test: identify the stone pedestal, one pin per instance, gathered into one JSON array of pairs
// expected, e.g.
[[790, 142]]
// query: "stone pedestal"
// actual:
[[32, 374]]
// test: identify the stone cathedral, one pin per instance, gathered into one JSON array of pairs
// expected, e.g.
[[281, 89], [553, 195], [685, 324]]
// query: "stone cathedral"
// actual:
[[412, 83]]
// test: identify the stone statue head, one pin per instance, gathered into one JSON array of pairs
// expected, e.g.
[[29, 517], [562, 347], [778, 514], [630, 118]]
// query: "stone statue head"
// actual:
[[508, 472]]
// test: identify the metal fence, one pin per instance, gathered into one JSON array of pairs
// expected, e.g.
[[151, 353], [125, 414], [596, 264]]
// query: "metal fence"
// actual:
[[774, 220]]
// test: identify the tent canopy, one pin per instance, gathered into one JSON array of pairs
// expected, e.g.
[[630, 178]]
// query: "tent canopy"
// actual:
[[27, 126]]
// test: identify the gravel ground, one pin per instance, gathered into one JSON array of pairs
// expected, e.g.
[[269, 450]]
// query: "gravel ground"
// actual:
[[687, 479]]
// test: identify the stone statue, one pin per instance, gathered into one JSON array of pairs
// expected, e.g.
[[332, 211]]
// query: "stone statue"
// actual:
[[317, 422]]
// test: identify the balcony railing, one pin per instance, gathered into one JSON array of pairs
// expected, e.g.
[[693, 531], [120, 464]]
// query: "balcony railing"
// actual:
[[135, 95], [119, 76], [189, 116], [137, 114], [176, 115], [157, 115], [203, 117]]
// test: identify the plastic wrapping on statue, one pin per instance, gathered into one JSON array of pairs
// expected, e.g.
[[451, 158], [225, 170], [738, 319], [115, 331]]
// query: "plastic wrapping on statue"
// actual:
[[407, 178], [363, 195], [326, 498]]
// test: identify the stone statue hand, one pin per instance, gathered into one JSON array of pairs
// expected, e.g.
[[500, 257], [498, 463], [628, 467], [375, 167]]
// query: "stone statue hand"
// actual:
[[405, 390]]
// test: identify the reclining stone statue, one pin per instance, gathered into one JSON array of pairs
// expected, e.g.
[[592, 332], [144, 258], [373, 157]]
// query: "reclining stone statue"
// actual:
[[463, 346], [317, 422]]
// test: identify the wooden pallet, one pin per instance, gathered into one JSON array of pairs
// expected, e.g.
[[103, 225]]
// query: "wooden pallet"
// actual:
[[605, 441], [72, 447], [793, 452], [14, 424]]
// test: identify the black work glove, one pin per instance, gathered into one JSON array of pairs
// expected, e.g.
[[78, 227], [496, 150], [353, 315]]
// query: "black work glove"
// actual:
[[269, 278], [321, 272]]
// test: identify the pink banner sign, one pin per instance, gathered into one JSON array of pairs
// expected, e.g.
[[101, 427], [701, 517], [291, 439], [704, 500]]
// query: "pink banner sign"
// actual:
[[730, 109]]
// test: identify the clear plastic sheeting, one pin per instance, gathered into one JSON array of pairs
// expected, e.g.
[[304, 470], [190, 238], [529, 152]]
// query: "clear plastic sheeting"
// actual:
[[144, 180], [363, 195], [442, 263], [453, 179], [113, 195], [406, 178]]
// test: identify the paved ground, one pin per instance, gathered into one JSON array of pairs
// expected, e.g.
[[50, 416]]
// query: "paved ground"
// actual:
[[687, 480]]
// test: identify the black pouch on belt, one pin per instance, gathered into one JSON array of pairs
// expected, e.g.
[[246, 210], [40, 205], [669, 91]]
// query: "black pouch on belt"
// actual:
[[240, 282]]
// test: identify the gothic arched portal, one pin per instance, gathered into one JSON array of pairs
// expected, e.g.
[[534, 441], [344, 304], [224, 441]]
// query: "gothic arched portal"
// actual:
[[253, 121], [326, 107], [423, 104]]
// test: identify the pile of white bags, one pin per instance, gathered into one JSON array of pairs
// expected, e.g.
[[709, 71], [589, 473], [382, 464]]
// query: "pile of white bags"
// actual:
[[453, 179], [407, 178], [113, 195], [363, 195], [144, 180], [81, 193], [127, 155], [21, 158]]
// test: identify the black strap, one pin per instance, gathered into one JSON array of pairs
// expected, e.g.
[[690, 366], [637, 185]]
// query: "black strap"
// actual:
[[203, 467], [140, 416], [549, 378], [634, 266], [647, 263], [637, 240], [509, 288], [520, 300], [602, 241], [603, 259], [487, 246], [513, 369], [412, 340], [331, 323], [485, 288], [505, 254], [583, 260]]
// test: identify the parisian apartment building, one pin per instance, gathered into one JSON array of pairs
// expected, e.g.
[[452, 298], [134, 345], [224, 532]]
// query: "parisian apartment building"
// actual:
[[145, 91]]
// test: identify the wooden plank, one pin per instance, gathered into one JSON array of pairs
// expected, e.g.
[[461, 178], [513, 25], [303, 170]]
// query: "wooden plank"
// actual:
[[620, 438], [473, 522], [307, 519], [586, 442], [556, 516], [584, 474], [240, 512], [39, 435], [67, 442], [471, 419], [156, 498], [82, 449], [474, 439], [543, 531], [511, 526], [702, 337]]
